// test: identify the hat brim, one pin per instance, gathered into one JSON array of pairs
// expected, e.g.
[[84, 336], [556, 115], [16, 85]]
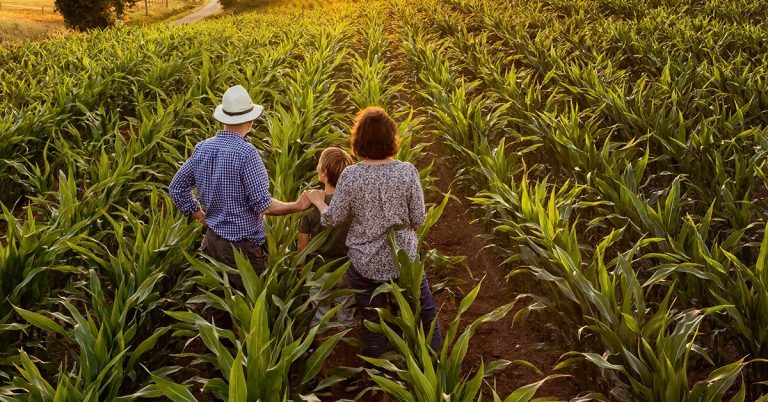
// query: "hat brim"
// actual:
[[254, 114]]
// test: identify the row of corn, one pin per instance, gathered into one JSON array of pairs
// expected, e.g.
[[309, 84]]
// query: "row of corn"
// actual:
[[617, 151], [103, 296]]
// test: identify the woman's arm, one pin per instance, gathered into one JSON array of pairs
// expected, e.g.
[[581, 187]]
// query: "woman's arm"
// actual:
[[340, 210], [416, 208]]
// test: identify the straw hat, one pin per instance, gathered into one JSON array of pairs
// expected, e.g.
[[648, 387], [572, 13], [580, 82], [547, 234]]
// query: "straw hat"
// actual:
[[237, 107]]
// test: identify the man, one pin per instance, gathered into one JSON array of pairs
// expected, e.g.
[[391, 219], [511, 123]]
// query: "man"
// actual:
[[233, 186]]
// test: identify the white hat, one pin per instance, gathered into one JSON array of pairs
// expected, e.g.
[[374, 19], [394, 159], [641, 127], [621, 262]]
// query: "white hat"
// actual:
[[237, 107]]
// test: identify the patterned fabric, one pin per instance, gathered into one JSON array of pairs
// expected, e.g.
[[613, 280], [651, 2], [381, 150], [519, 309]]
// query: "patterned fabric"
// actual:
[[374, 198], [233, 186]]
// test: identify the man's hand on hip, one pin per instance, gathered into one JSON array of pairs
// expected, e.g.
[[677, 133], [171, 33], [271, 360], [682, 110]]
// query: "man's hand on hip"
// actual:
[[199, 216]]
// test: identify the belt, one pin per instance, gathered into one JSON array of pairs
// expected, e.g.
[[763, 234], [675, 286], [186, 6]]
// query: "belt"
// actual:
[[216, 237], [399, 228]]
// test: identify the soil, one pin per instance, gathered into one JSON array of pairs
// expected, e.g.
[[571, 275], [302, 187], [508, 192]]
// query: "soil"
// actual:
[[457, 234]]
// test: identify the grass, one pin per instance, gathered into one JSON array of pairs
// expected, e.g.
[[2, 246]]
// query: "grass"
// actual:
[[18, 26], [32, 5]]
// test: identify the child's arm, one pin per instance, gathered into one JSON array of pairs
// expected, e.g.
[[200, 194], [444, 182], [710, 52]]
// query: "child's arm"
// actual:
[[304, 239], [305, 230]]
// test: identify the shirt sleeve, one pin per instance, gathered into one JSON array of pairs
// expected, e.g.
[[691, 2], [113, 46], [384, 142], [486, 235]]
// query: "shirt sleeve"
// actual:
[[181, 187], [416, 208], [256, 183], [339, 212]]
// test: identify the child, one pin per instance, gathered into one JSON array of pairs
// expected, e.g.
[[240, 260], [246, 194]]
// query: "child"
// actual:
[[332, 162]]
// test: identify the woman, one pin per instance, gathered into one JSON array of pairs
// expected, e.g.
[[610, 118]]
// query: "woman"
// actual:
[[373, 196]]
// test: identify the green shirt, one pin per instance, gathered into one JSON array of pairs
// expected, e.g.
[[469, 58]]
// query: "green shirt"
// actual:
[[335, 246]]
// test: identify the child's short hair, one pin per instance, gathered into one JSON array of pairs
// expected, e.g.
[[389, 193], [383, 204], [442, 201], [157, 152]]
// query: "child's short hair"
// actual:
[[333, 161]]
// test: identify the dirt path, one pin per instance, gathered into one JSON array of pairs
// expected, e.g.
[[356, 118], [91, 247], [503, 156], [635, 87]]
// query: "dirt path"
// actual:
[[457, 233], [212, 7]]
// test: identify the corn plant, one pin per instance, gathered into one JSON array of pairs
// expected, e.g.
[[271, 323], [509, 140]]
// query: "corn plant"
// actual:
[[622, 136], [614, 148], [266, 355], [36, 259], [372, 73], [419, 373], [745, 294], [102, 341]]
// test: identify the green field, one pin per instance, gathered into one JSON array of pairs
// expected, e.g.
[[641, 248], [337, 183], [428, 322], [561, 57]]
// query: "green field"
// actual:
[[613, 152], [25, 21], [34, 4]]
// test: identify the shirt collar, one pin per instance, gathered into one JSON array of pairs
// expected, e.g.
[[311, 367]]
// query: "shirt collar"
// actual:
[[227, 133]]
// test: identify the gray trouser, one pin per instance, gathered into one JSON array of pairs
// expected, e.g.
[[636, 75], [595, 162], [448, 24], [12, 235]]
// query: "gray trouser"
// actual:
[[222, 250]]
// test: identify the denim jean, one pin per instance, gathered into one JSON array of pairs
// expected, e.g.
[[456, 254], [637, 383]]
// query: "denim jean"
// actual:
[[375, 344]]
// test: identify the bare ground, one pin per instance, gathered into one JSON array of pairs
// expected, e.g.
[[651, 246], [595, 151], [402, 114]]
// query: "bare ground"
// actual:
[[457, 234], [210, 8]]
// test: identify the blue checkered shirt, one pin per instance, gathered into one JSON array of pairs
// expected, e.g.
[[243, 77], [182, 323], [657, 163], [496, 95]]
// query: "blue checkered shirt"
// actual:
[[233, 186]]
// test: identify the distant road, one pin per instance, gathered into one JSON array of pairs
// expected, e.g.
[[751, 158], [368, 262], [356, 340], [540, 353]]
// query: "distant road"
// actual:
[[205, 11]]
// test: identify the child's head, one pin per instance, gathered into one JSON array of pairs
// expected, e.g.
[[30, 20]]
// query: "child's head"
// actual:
[[332, 162]]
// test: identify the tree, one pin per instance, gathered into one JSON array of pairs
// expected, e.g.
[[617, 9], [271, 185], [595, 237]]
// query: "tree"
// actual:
[[88, 14]]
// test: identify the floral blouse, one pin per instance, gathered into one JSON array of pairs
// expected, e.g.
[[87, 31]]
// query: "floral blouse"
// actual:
[[373, 199]]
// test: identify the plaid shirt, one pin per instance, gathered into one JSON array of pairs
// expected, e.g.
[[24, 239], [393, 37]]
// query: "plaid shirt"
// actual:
[[233, 186]]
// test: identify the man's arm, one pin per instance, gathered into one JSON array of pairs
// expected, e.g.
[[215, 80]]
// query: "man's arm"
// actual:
[[279, 208], [256, 183], [180, 190]]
